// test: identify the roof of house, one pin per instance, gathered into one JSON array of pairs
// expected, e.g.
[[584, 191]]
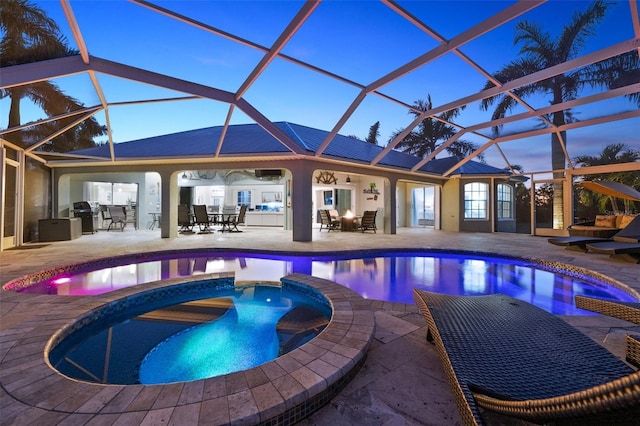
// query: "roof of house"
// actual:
[[251, 139]]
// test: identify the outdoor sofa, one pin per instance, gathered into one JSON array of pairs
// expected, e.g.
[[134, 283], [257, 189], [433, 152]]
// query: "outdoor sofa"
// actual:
[[505, 357], [630, 233], [604, 226]]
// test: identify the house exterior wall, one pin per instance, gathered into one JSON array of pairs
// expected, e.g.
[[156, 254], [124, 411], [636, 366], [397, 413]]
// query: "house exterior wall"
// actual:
[[403, 209], [477, 225], [453, 208], [451, 212]]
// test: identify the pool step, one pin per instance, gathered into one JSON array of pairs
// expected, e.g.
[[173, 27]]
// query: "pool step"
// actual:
[[195, 312], [300, 324]]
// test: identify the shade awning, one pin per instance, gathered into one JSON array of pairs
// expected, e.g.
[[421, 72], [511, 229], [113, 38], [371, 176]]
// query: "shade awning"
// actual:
[[613, 189]]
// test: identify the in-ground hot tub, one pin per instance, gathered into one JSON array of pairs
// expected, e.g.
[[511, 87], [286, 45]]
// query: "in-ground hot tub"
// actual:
[[281, 391], [207, 329]]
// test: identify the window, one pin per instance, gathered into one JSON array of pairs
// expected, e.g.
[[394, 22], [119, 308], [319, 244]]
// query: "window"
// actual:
[[328, 198], [244, 197], [475, 200], [505, 201]]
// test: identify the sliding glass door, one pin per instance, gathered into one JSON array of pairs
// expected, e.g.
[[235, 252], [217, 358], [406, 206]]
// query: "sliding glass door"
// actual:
[[9, 204]]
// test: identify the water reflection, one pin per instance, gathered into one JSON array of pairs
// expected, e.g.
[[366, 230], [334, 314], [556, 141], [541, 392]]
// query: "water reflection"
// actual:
[[389, 278]]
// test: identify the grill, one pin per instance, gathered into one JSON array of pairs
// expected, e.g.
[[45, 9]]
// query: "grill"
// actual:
[[82, 209]]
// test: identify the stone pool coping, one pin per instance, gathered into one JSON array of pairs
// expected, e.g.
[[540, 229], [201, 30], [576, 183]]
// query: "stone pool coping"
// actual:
[[281, 391]]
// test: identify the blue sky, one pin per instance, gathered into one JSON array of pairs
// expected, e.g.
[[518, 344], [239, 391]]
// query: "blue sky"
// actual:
[[358, 40]]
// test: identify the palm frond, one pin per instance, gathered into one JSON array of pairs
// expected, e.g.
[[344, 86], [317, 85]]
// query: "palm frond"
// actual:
[[574, 35], [536, 44]]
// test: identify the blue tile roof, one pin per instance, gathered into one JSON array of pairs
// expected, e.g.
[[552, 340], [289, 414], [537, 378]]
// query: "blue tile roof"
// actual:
[[252, 139], [240, 139], [441, 165]]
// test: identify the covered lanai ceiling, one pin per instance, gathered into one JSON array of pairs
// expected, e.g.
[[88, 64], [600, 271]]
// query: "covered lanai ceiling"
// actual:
[[153, 68]]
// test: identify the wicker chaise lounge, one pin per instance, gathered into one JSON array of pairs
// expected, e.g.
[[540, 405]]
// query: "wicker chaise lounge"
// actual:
[[509, 357], [627, 311], [620, 250]]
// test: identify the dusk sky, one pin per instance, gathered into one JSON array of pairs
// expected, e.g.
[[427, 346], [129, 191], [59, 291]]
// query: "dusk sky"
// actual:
[[361, 41]]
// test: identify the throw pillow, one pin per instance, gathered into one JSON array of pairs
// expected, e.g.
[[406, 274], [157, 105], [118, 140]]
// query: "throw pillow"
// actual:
[[626, 219], [605, 221]]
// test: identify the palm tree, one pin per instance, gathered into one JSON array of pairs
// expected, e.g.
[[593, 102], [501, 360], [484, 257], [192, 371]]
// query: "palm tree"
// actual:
[[431, 133], [31, 36], [611, 154], [374, 133], [539, 51]]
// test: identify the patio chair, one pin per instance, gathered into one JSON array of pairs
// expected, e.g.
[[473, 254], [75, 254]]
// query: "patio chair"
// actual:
[[118, 217], [214, 213], [368, 221], [184, 220], [227, 216], [628, 234], [506, 357], [234, 221], [131, 215], [106, 219], [201, 218], [326, 221]]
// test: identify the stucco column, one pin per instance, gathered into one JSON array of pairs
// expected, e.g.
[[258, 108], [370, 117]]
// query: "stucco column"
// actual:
[[302, 200], [390, 208], [169, 204]]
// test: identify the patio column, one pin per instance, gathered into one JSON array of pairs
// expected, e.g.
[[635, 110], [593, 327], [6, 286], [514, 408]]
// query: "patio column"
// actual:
[[301, 200], [168, 204], [390, 208]]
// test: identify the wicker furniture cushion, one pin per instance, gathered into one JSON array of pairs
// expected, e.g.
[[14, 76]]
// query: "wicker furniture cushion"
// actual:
[[605, 221], [625, 220], [524, 362], [592, 231]]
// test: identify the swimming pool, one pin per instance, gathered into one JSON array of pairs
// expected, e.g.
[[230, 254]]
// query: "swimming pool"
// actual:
[[388, 275]]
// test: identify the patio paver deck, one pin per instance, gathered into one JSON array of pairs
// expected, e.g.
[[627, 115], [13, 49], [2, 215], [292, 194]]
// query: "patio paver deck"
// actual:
[[401, 381]]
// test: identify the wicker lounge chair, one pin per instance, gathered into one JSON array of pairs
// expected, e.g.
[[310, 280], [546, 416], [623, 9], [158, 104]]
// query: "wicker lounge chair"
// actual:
[[510, 358], [628, 234], [627, 311]]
